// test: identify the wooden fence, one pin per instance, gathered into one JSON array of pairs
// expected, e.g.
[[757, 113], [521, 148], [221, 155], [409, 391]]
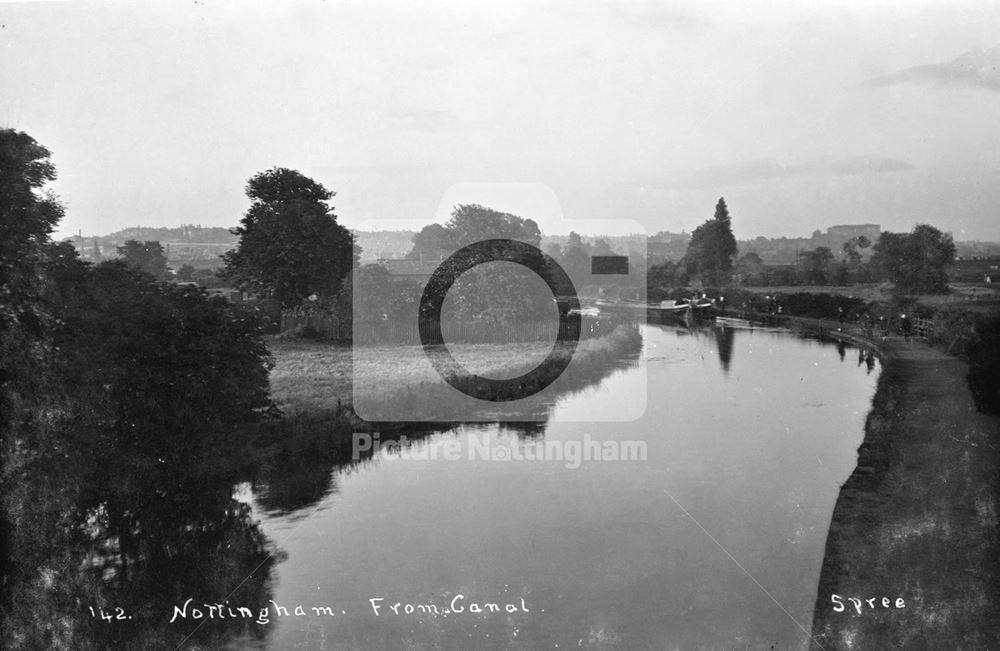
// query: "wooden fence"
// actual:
[[923, 328]]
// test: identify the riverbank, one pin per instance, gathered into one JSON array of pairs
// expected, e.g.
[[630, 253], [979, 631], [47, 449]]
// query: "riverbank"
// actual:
[[917, 519], [316, 379]]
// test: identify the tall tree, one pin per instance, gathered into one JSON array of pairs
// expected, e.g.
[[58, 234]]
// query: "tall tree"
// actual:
[[115, 390], [712, 248], [291, 245], [916, 262], [27, 217], [147, 256], [576, 258]]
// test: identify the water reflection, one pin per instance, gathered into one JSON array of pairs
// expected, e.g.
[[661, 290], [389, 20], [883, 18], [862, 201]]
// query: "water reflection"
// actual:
[[599, 547], [753, 450], [724, 337], [117, 556]]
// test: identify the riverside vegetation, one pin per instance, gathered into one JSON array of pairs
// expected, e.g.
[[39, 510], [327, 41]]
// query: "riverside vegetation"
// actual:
[[131, 407]]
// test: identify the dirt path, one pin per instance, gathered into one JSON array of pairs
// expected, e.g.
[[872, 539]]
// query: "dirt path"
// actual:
[[917, 520]]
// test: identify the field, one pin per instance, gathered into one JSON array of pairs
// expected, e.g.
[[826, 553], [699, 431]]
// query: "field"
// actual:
[[314, 376]]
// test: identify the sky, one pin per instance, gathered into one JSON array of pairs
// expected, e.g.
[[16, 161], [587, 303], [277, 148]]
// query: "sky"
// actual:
[[802, 115]]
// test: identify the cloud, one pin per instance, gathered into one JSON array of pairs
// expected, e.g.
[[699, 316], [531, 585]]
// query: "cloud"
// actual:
[[420, 120], [976, 69], [766, 170]]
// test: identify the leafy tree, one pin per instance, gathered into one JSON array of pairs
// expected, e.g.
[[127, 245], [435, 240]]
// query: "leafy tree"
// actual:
[[473, 223], [28, 385], [291, 245], [602, 247], [816, 265], [749, 269], [432, 242], [712, 248], [186, 371], [377, 297], [853, 266], [851, 255], [488, 293], [499, 293], [576, 258], [660, 280], [27, 218], [147, 256], [114, 390], [916, 262], [841, 274], [186, 273]]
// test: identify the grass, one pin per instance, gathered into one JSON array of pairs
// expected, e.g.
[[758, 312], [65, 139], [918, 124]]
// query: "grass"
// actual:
[[592, 360], [312, 383], [317, 379], [311, 376], [917, 518]]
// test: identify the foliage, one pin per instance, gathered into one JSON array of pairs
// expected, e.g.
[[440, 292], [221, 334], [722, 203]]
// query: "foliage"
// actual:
[[125, 405], [983, 353], [291, 246], [147, 256], [377, 298], [749, 269], [917, 261], [28, 388], [186, 273], [575, 258], [807, 304], [660, 280], [432, 242], [817, 265], [712, 248], [26, 220], [471, 223], [185, 370], [493, 292], [499, 293]]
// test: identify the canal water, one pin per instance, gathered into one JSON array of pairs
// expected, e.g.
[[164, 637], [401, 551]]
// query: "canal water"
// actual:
[[703, 528]]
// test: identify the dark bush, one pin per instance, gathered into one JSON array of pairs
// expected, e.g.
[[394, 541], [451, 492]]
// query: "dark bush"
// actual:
[[983, 354]]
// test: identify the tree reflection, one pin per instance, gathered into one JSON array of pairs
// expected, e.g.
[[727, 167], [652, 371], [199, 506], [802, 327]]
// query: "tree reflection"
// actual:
[[152, 541], [724, 339]]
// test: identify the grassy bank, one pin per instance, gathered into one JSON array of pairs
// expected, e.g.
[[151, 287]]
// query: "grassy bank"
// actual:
[[591, 361], [917, 519], [313, 383], [314, 379]]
